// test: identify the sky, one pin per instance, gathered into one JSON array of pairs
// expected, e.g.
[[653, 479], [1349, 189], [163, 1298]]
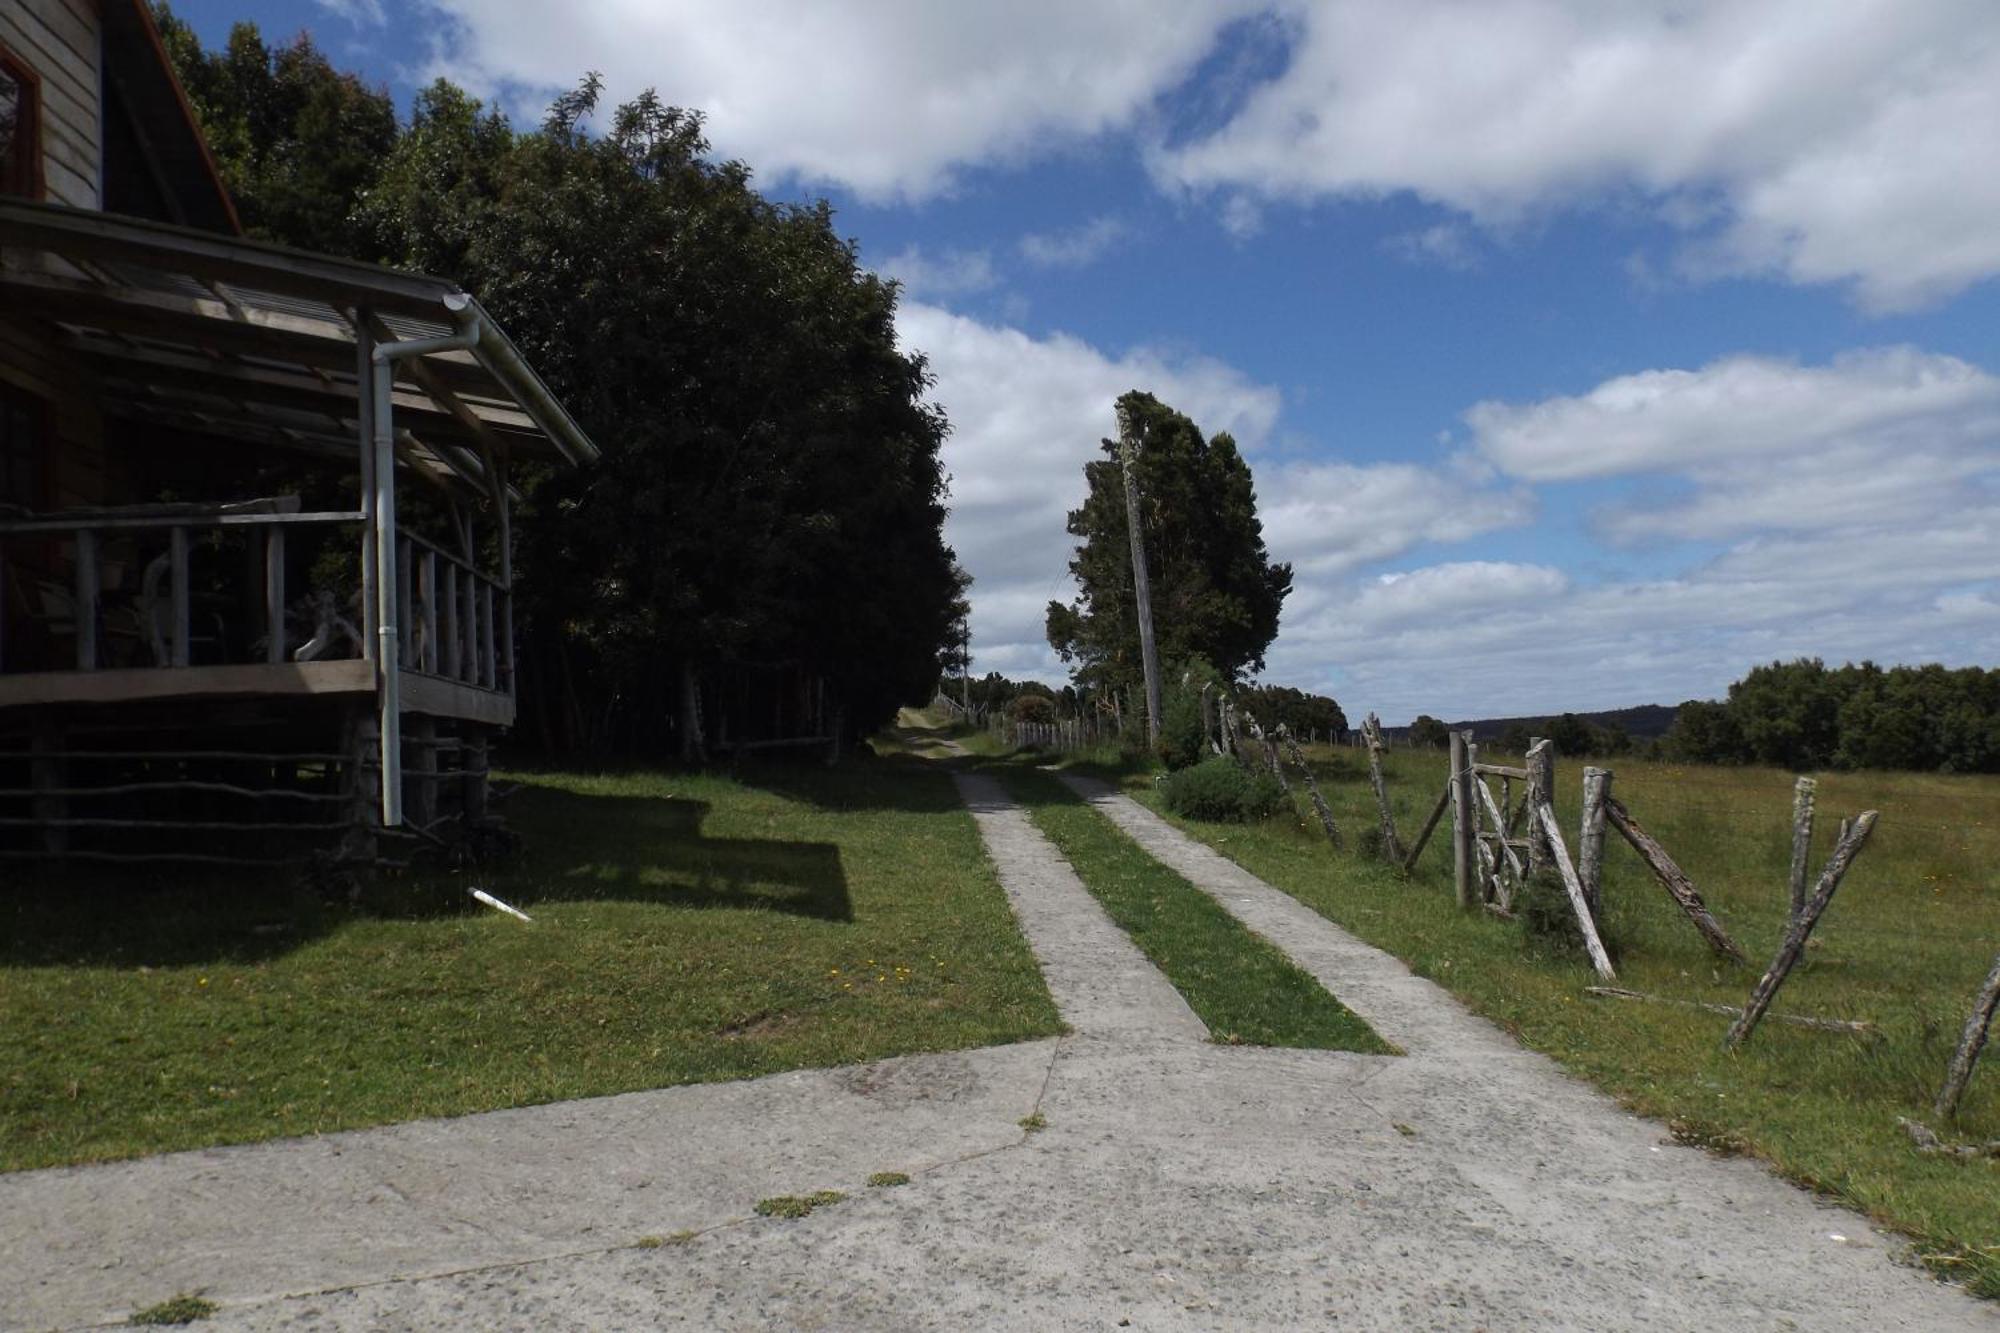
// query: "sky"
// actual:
[[1586, 353]]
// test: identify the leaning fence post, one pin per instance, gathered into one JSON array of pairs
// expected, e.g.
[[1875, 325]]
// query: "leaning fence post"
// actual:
[[1802, 829], [1462, 816], [1590, 838], [1312, 785], [1392, 846], [1794, 946], [1970, 1044]]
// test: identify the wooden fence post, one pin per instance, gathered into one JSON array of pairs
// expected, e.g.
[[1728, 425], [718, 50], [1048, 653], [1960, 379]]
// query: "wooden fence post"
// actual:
[[1970, 1044], [1541, 765], [1590, 839], [1392, 846], [1545, 816], [1672, 878], [1463, 813], [1312, 785], [1802, 831], [1794, 946]]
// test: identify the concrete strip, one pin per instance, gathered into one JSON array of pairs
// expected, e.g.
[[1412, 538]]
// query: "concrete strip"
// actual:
[[87, 1244], [1102, 984], [1415, 1014]]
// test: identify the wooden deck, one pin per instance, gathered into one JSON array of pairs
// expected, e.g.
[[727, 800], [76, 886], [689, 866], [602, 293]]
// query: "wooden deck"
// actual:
[[422, 694]]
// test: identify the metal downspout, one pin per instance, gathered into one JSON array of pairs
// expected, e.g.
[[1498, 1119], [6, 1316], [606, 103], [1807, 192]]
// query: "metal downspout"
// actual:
[[388, 635]]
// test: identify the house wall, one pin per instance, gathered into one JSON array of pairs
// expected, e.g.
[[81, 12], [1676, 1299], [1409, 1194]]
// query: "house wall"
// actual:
[[81, 472], [60, 40]]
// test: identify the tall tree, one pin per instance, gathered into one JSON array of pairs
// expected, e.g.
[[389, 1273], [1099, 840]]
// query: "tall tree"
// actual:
[[1216, 593], [298, 141]]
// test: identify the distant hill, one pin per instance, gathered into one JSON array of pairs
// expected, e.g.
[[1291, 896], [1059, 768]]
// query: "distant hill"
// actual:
[[1646, 722]]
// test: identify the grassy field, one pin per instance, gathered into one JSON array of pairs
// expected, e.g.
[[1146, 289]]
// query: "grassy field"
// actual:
[[1905, 944], [687, 928], [1243, 987]]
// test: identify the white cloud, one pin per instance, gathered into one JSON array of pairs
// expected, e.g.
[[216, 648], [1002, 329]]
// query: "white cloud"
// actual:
[[1742, 407], [361, 13], [1027, 413], [1850, 142], [886, 99], [1329, 519], [1076, 247], [1241, 217], [1446, 245], [950, 272], [1858, 504]]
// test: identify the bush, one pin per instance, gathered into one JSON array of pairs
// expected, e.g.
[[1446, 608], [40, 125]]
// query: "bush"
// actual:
[[1032, 708], [1182, 742], [1218, 788]]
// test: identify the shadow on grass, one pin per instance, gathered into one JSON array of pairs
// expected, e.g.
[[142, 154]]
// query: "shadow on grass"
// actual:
[[575, 848], [651, 849]]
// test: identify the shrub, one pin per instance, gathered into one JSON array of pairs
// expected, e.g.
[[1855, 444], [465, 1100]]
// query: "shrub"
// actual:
[[1182, 743], [1218, 788], [1032, 708]]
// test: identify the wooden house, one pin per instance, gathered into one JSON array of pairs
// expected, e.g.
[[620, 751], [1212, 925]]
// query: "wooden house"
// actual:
[[255, 555]]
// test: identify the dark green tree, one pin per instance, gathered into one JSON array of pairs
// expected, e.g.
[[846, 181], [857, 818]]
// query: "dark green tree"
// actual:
[[1428, 733], [1216, 593], [298, 142]]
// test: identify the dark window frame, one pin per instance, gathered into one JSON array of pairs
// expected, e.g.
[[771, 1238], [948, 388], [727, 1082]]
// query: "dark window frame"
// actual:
[[41, 437], [24, 177]]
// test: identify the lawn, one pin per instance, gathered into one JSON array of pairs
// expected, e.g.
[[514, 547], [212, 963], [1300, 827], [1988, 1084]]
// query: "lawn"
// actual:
[[1245, 989], [687, 928], [1905, 944]]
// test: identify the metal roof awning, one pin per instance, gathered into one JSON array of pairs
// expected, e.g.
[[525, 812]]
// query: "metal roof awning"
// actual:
[[222, 336]]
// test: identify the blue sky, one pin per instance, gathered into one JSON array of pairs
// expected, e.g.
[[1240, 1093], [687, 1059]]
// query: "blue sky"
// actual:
[[1586, 355]]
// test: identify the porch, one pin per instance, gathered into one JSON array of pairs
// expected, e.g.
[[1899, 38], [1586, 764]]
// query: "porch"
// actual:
[[330, 627]]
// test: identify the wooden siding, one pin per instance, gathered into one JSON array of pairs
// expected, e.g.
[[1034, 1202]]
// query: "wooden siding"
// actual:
[[59, 40], [83, 473]]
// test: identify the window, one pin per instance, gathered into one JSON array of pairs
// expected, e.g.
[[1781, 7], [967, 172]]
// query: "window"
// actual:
[[24, 451], [20, 129]]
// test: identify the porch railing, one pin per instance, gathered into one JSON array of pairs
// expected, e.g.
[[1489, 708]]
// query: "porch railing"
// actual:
[[454, 621]]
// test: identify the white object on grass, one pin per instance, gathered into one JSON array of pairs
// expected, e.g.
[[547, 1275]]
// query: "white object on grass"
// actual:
[[491, 901]]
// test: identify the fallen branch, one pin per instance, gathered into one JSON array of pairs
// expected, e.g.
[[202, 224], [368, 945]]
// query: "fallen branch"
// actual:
[[1929, 1143], [1796, 1020], [1673, 879]]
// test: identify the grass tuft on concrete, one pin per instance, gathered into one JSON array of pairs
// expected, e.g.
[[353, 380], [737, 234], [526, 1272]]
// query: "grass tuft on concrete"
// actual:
[[1242, 986], [181, 1309], [888, 1179]]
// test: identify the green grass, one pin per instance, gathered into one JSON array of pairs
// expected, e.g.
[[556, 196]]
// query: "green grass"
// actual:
[[688, 928], [1906, 942], [1243, 987], [181, 1309], [795, 1206]]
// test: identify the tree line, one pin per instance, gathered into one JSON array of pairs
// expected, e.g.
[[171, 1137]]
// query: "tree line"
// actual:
[[1804, 715], [770, 497]]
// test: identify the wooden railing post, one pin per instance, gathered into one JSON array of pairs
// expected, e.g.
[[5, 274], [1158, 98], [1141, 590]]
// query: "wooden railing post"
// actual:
[[428, 573], [449, 630], [489, 663], [86, 600], [1802, 830], [406, 620], [177, 567], [274, 593]]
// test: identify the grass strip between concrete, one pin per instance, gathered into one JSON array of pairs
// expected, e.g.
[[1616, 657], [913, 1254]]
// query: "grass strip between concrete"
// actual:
[[1242, 986]]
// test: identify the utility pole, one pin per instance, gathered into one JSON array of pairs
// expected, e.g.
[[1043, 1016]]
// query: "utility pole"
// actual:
[[1141, 585]]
